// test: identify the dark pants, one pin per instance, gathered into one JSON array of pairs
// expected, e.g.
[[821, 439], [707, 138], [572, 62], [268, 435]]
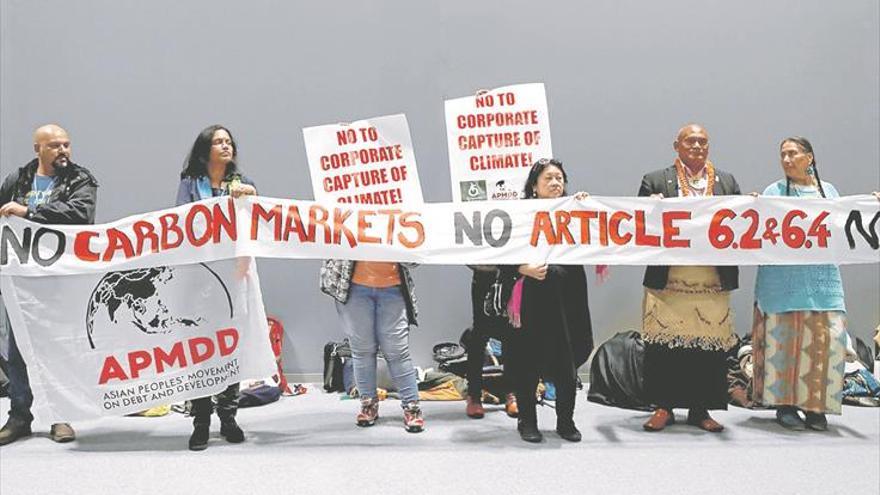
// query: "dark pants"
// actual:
[[482, 329], [20, 396], [526, 377], [476, 350], [227, 406]]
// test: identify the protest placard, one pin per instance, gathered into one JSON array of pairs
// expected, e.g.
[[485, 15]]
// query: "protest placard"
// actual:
[[365, 162], [494, 137]]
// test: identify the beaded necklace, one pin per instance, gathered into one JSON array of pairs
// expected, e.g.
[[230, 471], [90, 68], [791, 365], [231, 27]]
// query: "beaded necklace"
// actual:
[[689, 187]]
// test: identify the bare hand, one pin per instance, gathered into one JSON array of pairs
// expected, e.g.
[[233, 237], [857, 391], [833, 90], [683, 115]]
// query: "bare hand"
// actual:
[[537, 272], [242, 190], [514, 320], [754, 194], [13, 209], [581, 195], [876, 195], [242, 266], [657, 196]]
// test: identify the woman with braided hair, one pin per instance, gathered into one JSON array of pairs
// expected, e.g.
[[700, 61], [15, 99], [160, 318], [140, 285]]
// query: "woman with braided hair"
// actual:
[[799, 326]]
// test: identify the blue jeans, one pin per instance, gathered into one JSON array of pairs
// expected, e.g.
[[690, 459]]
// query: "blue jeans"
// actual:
[[376, 319], [20, 396]]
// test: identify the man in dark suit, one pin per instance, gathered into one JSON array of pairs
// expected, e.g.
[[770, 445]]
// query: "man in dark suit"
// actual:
[[687, 323]]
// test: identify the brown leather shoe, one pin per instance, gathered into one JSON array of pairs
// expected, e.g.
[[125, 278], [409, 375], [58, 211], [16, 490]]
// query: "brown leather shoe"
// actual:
[[703, 421], [659, 420], [62, 433], [14, 429], [474, 408], [510, 406], [710, 425]]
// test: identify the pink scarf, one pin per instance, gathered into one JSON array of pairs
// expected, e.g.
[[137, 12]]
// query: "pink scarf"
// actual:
[[514, 306]]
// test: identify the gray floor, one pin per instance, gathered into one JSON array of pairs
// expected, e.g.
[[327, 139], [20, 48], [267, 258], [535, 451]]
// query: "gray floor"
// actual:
[[309, 444]]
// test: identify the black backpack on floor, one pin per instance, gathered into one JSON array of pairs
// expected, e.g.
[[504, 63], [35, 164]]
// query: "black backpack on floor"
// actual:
[[335, 354]]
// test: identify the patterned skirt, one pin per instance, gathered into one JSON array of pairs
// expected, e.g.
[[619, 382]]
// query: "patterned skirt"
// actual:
[[799, 359], [691, 312]]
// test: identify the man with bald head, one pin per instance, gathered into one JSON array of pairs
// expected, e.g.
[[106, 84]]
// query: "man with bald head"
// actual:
[[49, 189], [687, 323]]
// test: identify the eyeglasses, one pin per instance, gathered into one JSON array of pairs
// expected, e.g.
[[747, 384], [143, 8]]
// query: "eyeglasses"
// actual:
[[548, 161]]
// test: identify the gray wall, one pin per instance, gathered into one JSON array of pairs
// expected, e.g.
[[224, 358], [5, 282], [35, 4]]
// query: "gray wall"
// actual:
[[134, 82]]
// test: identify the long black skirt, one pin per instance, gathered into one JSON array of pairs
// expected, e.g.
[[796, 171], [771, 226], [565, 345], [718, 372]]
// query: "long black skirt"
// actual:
[[685, 377]]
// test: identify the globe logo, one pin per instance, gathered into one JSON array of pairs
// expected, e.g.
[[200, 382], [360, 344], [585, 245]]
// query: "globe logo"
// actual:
[[156, 300]]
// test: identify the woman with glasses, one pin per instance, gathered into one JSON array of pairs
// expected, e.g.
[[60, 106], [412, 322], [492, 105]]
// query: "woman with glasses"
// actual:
[[210, 170], [552, 334]]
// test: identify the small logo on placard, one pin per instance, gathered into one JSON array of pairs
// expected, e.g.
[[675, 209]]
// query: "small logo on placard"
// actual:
[[473, 190], [501, 191]]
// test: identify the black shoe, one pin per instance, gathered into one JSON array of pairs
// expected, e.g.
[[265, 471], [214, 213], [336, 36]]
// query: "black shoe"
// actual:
[[199, 438], [568, 431], [787, 417], [529, 432], [231, 431], [816, 421], [14, 429]]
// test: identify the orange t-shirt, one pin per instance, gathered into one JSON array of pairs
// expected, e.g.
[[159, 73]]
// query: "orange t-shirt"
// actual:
[[377, 274]]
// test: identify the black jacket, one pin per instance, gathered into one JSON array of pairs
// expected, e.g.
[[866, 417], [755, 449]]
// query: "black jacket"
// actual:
[[72, 200], [665, 182]]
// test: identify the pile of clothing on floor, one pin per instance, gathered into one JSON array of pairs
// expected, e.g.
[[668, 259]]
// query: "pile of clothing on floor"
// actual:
[[448, 381], [860, 387]]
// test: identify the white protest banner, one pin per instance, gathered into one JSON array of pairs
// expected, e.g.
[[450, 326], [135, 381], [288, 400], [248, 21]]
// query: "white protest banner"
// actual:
[[108, 344], [722, 230], [142, 312], [365, 162], [494, 137]]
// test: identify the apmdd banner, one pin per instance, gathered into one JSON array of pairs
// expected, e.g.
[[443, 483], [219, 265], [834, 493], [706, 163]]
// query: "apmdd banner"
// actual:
[[123, 341]]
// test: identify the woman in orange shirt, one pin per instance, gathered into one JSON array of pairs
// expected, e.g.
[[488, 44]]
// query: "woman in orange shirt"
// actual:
[[376, 303]]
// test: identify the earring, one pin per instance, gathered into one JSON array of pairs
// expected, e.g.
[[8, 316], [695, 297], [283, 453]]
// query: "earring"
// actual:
[[811, 170]]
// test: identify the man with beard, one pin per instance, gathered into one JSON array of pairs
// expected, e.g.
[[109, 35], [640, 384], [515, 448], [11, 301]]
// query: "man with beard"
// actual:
[[50, 189]]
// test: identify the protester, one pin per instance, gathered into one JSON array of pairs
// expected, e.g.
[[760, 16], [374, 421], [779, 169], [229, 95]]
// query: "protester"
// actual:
[[687, 322], [50, 189], [376, 303], [211, 170], [799, 325], [483, 328], [552, 334]]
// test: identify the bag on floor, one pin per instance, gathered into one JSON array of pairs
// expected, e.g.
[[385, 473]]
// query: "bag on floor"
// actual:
[[259, 395], [616, 373], [276, 339], [335, 354]]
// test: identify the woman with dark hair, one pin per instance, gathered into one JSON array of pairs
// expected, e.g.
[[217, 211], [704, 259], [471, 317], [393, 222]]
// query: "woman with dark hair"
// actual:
[[552, 334], [210, 170], [799, 325]]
